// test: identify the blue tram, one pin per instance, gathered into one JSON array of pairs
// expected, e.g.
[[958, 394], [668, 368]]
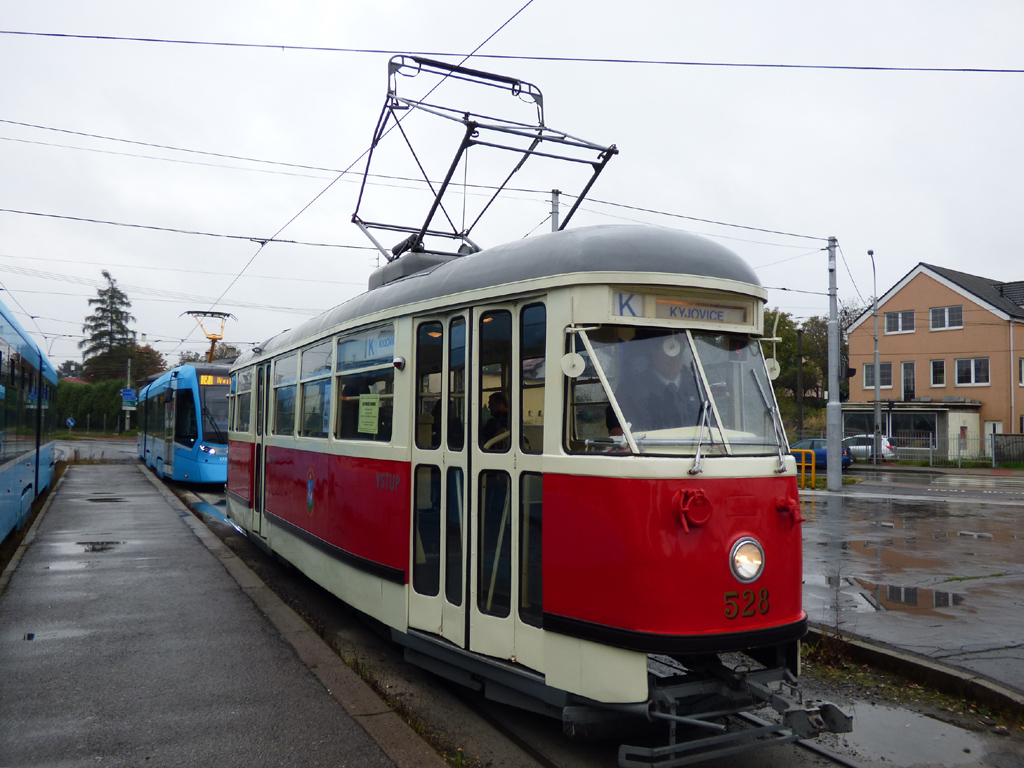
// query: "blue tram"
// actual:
[[28, 384], [183, 424]]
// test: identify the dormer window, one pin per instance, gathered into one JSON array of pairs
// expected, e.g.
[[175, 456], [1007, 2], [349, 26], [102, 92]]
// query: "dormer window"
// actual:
[[946, 318], [899, 322]]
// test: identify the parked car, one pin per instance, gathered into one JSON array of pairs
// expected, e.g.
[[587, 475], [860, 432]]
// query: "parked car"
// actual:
[[820, 447], [863, 447]]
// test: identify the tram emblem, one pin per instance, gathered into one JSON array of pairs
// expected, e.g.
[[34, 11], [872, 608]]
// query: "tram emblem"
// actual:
[[309, 490]]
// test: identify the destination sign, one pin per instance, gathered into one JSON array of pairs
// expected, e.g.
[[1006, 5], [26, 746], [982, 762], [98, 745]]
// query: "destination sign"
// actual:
[[374, 347], [208, 380], [697, 310]]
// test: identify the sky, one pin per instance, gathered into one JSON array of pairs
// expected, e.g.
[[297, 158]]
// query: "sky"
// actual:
[[849, 120]]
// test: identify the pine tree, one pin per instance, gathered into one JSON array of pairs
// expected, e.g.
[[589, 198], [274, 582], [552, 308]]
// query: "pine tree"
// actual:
[[108, 339]]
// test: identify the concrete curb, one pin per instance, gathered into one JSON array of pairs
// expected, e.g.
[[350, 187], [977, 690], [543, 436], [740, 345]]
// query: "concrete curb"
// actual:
[[5, 577], [392, 734], [941, 677]]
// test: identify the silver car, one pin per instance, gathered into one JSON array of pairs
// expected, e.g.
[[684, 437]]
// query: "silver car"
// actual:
[[862, 447]]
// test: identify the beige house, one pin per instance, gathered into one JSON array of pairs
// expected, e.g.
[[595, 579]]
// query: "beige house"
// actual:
[[951, 359]]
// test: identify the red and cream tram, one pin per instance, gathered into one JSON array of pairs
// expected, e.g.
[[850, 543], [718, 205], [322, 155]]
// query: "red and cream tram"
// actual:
[[555, 468]]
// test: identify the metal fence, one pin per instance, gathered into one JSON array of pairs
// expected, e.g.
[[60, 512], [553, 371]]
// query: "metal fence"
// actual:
[[988, 451], [924, 448]]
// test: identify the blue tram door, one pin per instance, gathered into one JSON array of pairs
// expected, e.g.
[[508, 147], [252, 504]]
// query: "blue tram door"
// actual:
[[165, 453], [437, 595]]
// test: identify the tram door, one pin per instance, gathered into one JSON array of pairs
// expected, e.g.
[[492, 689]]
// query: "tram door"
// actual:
[[506, 442], [169, 421], [437, 598], [259, 454]]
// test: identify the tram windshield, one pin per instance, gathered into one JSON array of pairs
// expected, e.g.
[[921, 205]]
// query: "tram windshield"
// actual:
[[678, 392], [213, 401]]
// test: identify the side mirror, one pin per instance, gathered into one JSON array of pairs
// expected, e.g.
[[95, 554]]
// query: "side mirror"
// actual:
[[573, 364]]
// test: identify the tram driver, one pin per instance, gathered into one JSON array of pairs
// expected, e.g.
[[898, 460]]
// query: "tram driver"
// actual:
[[662, 391]]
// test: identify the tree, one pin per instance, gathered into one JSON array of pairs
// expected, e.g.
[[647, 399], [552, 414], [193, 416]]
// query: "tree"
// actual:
[[69, 368], [107, 332], [114, 365], [222, 351]]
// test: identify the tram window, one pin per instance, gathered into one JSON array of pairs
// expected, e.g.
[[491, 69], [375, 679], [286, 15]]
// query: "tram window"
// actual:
[[243, 400], [531, 378], [316, 394], [494, 574], [429, 348], [531, 606], [457, 385], [495, 380], [316, 408], [740, 389], [284, 395], [426, 559], [453, 587], [186, 428], [365, 385]]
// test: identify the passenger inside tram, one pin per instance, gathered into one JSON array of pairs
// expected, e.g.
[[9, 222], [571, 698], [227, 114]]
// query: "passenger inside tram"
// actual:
[[494, 435]]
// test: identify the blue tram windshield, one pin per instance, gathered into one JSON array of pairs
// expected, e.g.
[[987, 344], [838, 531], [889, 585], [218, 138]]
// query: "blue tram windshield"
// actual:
[[676, 390], [213, 401]]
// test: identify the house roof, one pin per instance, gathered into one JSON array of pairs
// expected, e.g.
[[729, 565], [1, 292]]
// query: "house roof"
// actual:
[[1004, 296], [1000, 297]]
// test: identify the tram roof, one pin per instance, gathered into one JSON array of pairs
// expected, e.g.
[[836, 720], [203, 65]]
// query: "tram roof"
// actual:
[[627, 249]]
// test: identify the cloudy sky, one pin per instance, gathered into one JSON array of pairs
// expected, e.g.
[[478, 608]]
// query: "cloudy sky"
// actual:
[[194, 153]]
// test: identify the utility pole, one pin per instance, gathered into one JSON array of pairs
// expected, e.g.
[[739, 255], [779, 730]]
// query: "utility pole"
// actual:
[[554, 209], [878, 402], [833, 411], [128, 385], [799, 383]]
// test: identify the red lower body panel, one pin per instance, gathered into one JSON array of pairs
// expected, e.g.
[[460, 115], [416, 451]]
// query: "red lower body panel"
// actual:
[[617, 554]]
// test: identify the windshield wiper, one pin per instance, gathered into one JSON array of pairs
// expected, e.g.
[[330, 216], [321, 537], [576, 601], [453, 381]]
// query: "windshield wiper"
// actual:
[[209, 420], [776, 421], [698, 460]]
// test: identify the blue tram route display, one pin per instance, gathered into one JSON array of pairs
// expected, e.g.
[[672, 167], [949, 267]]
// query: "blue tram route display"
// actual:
[[183, 431], [28, 385]]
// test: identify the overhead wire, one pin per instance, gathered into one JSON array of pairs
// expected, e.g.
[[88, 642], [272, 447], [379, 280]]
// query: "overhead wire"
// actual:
[[352, 165], [513, 57]]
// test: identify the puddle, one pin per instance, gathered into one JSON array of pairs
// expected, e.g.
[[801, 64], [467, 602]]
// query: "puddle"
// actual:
[[904, 738], [68, 566]]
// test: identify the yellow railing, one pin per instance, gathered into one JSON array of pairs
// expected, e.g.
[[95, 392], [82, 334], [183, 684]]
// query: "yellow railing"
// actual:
[[804, 459]]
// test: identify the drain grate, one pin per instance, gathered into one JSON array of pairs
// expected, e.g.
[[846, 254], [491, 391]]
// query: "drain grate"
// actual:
[[105, 499], [98, 546]]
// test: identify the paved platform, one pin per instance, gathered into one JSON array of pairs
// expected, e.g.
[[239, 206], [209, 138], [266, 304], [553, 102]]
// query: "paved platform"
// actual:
[[129, 635]]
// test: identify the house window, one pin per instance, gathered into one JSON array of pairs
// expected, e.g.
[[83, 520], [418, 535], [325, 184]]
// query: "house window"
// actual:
[[945, 318], [1020, 371], [899, 322], [972, 371], [885, 379], [938, 373]]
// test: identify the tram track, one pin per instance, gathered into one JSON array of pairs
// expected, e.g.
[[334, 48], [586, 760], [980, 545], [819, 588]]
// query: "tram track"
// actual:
[[468, 729]]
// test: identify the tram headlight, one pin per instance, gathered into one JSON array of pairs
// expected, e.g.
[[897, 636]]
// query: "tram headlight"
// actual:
[[207, 449], [747, 559]]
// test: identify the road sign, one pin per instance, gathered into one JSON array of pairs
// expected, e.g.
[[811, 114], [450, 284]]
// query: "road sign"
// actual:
[[70, 422]]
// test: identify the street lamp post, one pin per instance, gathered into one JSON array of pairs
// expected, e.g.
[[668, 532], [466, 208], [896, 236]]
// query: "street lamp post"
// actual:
[[878, 372]]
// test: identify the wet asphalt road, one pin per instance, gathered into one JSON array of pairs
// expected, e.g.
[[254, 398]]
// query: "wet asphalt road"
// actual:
[[931, 563]]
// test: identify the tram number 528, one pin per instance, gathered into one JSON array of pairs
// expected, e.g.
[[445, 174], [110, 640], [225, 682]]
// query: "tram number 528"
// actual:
[[748, 603]]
